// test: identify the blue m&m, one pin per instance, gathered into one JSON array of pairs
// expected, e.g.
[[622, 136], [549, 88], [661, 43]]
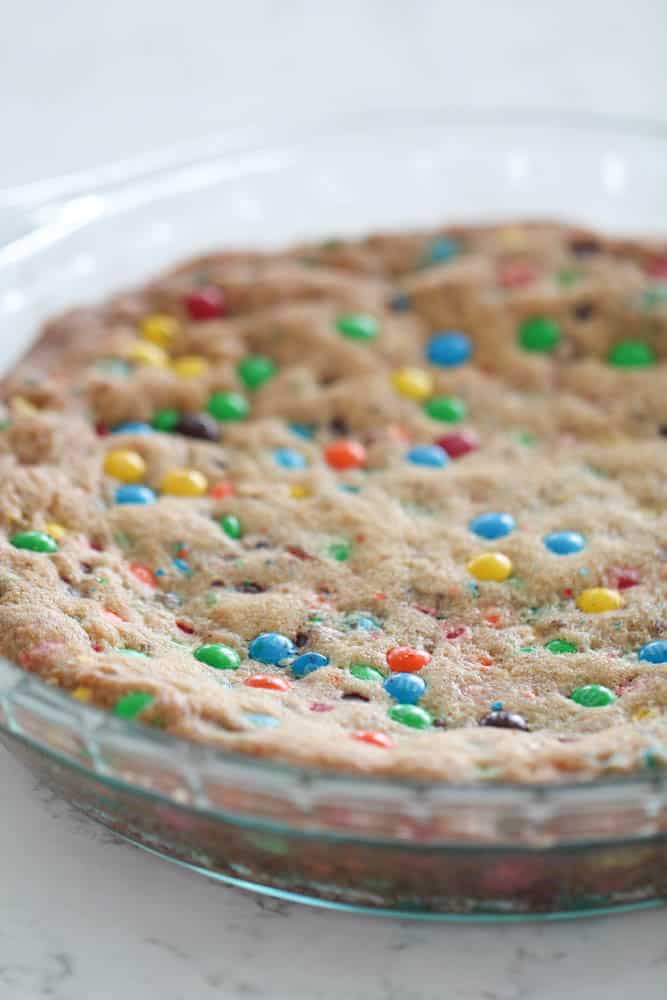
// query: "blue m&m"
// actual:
[[406, 689], [494, 524], [271, 647], [564, 543], [132, 427], [306, 431], [289, 458], [134, 493], [448, 348], [442, 249], [307, 662], [261, 721], [428, 454], [654, 652]]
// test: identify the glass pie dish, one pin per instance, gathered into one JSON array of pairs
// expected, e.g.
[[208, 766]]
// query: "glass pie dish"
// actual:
[[328, 838]]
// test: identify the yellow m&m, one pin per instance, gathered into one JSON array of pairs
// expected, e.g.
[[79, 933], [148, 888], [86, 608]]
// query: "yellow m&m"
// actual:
[[184, 483], [159, 328], [190, 366], [55, 530], [598, 599], [490, 566], [145, 353], [299, 491], [415, 383], [82, 693], [126, 465]]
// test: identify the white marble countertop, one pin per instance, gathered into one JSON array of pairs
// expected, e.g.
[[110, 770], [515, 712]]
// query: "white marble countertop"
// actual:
[[86, 917]]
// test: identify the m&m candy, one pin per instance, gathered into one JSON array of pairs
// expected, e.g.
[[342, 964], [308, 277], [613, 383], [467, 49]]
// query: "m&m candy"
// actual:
[[406, 688], [290, 458], [184, 483], [166, 419], [231, 526], [564, 543], [561, 646], [631, 354], [307, 662], [271, 647], [228, 406], [406, 659], [205, 303], [539, 334], [411, 715], [598, 599], [255, 369], [494, 524], [267, 682], [134, 493], [654, 652], [358, 326], [132, 704], [415, 383], [459, 443], [34, 541], [428, 454], [128, 466], [448, 409], [132, 427], [490, 566], [440, 251], [145, 353], [373, 738], [345, 454], [448, 348], [159, 328], [593, 695], [365, 672], [190, 366], [216, 654]]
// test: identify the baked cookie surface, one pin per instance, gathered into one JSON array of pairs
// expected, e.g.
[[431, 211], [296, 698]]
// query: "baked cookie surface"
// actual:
[[394, 505]]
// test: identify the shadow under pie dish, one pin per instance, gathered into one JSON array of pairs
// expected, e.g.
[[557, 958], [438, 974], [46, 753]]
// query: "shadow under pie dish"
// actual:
[[387, 506]]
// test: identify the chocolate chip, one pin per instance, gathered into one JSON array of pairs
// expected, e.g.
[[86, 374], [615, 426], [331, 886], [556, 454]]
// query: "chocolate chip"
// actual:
[[248, 587], [298, 552], [338, 425], [353, 696], [440, 723], [584, 246], [198, 425], [86, 567], [583, 311], [505, 720], [217, 583], [300, 639], [262, 545], [662, 430], [399, 302]]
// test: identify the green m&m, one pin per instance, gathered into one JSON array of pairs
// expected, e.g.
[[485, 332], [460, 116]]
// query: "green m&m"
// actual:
[[631, 354], [540, 334], [34, 541], [358, 326], [411, 715], [593, 695], [446, 408], [231, 526], [219, 656], [132, 704], [561, 646], [365, 672], [255, 369]]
